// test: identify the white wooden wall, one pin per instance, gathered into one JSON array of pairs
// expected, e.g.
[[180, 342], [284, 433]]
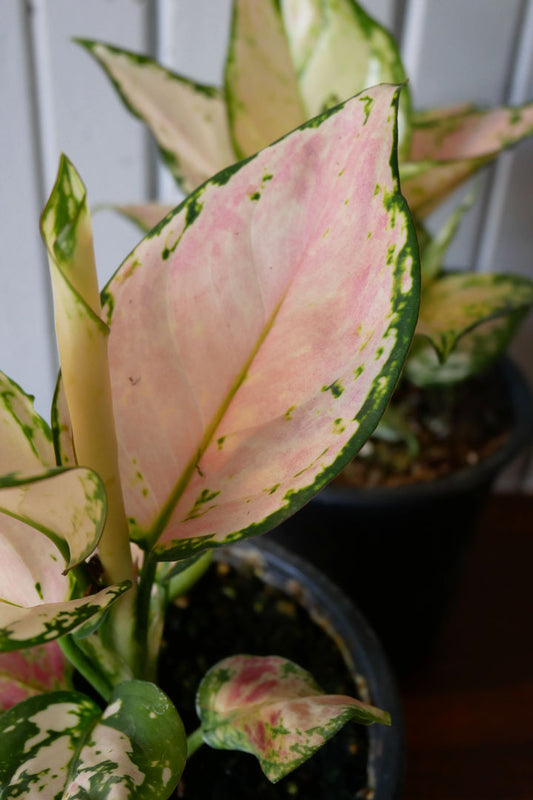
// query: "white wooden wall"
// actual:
[[54, 98]]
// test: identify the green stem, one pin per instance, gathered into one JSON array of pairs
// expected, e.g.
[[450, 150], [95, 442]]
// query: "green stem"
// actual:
[[85, 666], [194, 741], [142, 616], [180, 583]]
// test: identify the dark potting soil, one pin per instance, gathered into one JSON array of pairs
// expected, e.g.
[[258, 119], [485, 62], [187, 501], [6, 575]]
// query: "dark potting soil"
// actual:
[[455, 428], [228, 613]]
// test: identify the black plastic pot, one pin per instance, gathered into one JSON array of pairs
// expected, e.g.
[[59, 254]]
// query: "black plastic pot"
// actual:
[[397, 551], [359, 646]]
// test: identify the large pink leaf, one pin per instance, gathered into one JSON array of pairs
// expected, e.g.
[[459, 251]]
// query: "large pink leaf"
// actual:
[[272, 708], [256, 335]]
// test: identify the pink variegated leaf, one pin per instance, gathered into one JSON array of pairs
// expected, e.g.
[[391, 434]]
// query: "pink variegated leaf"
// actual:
[[263, 101], [188, 120], [281, 298], [35, 594], [273, 709], [449, 145], [426, 184], [25, 673], [468, 132], [69, 507]]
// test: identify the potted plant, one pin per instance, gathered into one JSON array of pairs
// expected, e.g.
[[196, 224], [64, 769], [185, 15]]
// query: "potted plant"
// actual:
[[197, 406], [428, 459]]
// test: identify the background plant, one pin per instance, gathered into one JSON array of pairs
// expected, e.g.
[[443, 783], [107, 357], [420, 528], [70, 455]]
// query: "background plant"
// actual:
[[286, 62]]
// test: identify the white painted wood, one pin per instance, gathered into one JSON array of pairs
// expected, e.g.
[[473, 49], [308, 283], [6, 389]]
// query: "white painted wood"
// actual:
[[26, 352], [107, 145], [457, 52]]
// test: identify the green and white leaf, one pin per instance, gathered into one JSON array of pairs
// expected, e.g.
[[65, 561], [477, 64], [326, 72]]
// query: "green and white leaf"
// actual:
[[273, 709], [188, 120], [466, 321], [35, 619], [69, 507], [238, 290], [338, 50], [458, 302], [262, 97], [60, 746], [25, 439]]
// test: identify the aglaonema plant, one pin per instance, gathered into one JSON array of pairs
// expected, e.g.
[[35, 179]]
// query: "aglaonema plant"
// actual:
[[235, 362], [289, 60]]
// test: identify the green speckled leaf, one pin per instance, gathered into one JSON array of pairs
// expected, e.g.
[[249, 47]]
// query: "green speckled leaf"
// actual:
[[25, 438], [456, 303], [339, 50], [262, 95], [281, 299], [60, 746], [466, 321], [188, 120], [272, 708], [82, 340], [31, 621]]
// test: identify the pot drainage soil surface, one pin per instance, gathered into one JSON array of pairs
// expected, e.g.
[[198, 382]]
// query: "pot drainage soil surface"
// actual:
[[455, 427]]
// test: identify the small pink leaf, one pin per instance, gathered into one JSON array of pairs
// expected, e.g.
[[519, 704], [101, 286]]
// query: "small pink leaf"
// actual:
[[272, 708], [280, 300], [25, 673]]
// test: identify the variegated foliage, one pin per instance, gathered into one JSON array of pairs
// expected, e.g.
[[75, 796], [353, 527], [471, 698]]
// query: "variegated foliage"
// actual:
[[288, 61], [60, 745], [280, 301], [229, 374], [270, 707], [50, 520]]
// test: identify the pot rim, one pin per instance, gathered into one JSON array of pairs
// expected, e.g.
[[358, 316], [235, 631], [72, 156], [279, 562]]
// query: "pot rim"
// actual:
[[361, 649]]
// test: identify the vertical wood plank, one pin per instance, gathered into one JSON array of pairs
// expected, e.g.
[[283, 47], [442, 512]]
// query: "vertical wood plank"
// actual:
[[457, 52], [26, 352], [105, 142]]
